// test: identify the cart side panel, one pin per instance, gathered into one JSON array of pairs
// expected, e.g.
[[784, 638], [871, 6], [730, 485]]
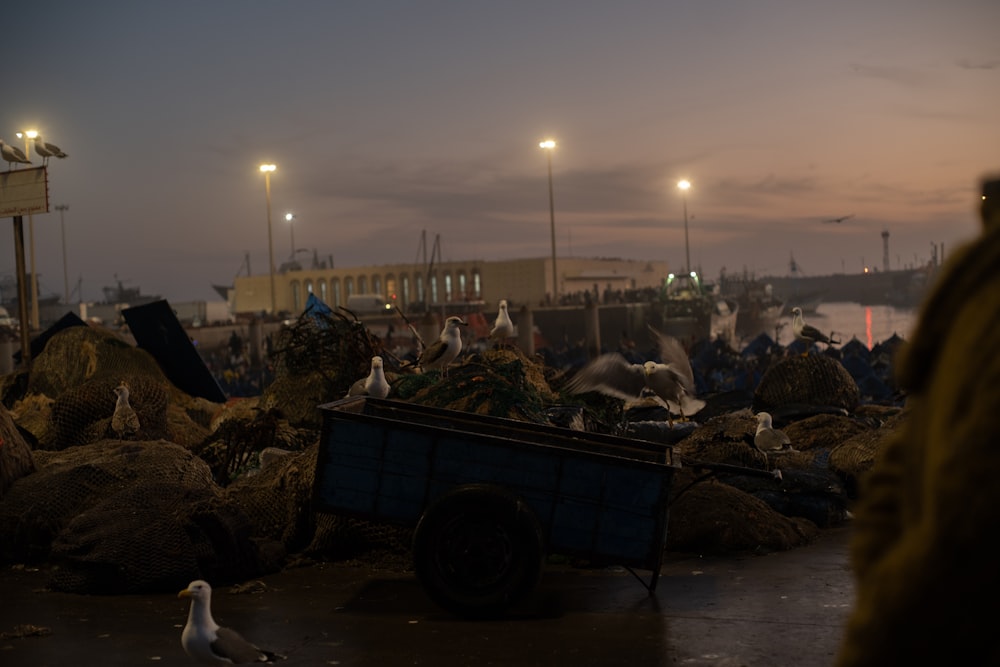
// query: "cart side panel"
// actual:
[[369, 470]]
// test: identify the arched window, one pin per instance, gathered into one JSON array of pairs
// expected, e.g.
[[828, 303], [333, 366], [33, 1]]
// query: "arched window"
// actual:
[[405, 296], [335, 288], [434, 287], [324, 295], [348, 286], [377, 285], [296, 296], [477, 285], [448, 288], [463, 287], [362, 285]]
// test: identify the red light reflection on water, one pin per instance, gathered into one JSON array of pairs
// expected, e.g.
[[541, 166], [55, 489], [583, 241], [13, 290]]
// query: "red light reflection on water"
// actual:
[[868, 326]]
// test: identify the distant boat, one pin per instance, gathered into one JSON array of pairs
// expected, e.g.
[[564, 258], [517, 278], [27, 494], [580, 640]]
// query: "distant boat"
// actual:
[[759, 308], [132, 296], [694, 311]]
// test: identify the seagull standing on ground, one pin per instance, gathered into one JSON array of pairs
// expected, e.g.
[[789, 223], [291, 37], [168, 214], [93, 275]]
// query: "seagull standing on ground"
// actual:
[[374, 384], [47, 150], [208, 643], [806, 332], [12, 155], [445, 349], [671, 381], [503, 328], [124, 421], [769, 439]]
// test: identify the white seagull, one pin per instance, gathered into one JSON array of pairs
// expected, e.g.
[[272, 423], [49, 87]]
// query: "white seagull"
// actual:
[[210, 644], [807, 332], [12, 154], [47, 150], [374, 384], [671, 382], [446, 348], [769, 439], [503, 328]]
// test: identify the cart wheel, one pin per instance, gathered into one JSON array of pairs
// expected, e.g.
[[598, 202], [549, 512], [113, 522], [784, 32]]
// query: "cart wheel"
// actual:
[[477, 550]]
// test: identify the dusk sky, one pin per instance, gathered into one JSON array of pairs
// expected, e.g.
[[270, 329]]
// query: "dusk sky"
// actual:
[[389, 119]]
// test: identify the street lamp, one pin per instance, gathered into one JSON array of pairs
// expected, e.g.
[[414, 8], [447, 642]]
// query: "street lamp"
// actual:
[[28, 137], [62, 208], [549, 145], [291, 228], [266, 169], [684, 186]]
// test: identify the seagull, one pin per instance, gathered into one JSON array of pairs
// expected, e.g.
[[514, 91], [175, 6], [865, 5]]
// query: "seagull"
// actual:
[[124, 421], [768, 438], [671, 382], [807, 332], [503, 328], [840, 219], [445, 349], [47, 150], [12, 154], [374, 384], [210, 644]]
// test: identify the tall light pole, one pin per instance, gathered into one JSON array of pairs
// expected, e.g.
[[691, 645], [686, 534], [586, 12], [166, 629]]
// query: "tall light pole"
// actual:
[[266, 169], [549, 145], [684, 186], [289, 217], [62, 208], [28, 137]]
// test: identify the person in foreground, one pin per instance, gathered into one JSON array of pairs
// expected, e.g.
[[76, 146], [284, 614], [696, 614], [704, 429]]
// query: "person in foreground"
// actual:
[[927, 524]]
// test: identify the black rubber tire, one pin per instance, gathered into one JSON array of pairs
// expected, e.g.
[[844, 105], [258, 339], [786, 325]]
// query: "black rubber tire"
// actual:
[[477, 550]]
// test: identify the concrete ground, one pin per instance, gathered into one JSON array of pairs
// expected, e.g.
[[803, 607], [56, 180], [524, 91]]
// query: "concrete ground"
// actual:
[[784, 609]]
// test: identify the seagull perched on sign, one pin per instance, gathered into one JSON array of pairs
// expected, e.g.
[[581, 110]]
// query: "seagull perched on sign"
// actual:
[[124, 421], [445, 349], [671, 381], [808, 333], [503, 328], [47, 150], [210, 644], [374, 384], [12, 155]]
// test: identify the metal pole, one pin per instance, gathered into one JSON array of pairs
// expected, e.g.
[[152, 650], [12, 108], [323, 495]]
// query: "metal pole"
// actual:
[[291, 228], [687, 248], [31, 246], [62, 208], [22, 302], [270, 239], [552, 222]]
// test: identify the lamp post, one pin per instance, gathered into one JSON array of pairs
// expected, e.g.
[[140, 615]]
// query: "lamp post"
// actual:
[[266, 169], [62, 208], [289, 217], [28, 136], [684, 186], [549, 145]]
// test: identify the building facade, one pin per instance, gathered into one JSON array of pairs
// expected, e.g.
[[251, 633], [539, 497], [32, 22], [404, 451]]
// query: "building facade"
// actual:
[[412, 287]]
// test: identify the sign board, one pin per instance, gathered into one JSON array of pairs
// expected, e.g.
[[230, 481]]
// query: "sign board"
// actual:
[[24, 192]]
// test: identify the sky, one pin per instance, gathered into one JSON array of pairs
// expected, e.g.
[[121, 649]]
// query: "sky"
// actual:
[[393, 121]]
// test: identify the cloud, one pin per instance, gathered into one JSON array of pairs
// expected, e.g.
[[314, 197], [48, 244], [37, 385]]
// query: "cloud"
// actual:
[[969, 63]]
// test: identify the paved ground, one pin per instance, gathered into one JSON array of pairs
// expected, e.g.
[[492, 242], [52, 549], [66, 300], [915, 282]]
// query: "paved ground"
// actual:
[[776, 610]]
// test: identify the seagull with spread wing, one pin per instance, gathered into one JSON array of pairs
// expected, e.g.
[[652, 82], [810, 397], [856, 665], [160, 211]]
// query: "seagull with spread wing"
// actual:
[[671, 381]]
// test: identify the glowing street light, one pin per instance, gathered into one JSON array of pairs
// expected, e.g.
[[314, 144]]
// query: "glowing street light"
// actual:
[[289, 217], [548, 146], [266, 169], [684, 186], [29, 136]]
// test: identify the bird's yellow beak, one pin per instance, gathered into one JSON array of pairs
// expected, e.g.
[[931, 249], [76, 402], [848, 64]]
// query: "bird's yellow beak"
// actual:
[[186, 593]]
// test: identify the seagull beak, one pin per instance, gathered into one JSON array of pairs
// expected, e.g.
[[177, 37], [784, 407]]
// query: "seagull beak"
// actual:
[[186, 593]]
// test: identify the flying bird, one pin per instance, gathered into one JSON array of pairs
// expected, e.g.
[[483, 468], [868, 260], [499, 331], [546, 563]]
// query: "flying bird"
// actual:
[[445, 349], [374, 384], [503, 328], [769, 439], [12, 155], [671, 382], [808, 333], [840, 219], [47, 150], [209, 644], [124, 421]]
